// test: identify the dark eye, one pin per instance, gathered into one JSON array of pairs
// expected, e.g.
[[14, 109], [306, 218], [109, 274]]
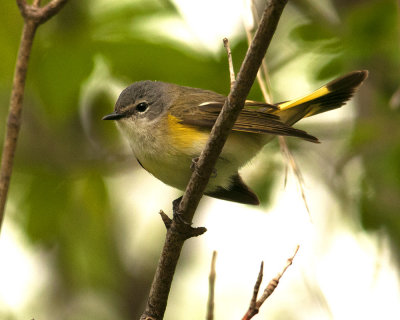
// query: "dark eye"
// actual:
[[142, 107]]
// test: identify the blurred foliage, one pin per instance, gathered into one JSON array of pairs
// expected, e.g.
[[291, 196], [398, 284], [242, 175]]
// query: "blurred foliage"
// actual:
[[367, 36], [88, 51]]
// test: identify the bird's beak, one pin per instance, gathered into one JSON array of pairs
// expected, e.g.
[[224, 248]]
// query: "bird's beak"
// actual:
[[114, 116]]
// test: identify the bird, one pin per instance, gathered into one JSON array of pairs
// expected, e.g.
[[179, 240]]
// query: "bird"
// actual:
[[168, 125]]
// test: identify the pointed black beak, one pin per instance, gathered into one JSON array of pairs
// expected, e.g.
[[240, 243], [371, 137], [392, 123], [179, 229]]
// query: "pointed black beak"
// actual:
[[114, 116]]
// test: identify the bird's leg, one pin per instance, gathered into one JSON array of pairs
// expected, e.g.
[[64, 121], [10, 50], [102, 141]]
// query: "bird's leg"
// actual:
[[181, 225], [176, 214]]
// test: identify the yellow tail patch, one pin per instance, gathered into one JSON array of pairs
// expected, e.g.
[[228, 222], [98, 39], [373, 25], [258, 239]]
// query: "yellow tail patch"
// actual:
[[331, 96], [292, 103]]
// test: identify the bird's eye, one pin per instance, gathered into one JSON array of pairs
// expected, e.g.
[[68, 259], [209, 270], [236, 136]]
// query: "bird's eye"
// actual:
[[142, 107]]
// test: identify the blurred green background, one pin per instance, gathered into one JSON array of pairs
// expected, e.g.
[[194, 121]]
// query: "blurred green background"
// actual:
[[63, 203]]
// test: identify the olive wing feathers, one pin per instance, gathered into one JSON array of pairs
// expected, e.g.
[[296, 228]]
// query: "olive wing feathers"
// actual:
[[255, 117]]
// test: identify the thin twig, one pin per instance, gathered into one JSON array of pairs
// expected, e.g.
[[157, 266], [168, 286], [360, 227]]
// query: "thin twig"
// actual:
[[38, 14], [274, 282], [259, 75], [296, 170], [17, 92], [265, 86], [211, 287], [264, 74], [253, 301], [255, 307], [231, 70], [234, 103]]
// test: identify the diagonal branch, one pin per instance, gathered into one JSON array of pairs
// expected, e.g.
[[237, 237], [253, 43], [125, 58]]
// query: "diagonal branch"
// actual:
[[186, 207], [33, 16], [231, 109]]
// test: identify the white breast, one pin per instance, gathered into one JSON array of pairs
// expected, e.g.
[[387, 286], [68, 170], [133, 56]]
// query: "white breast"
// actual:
[[159, 156]]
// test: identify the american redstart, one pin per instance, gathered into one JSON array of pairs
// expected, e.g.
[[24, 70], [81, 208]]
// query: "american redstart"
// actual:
[[167, 126]]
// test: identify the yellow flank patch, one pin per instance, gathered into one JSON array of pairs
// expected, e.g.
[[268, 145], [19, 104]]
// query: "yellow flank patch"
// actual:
[[184, 136], [292, 103]]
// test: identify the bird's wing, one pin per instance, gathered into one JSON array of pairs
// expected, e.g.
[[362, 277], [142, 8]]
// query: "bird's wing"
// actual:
[[255, 117]]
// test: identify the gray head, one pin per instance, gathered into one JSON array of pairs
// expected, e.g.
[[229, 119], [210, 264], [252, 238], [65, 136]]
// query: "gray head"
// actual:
[[143, 99]]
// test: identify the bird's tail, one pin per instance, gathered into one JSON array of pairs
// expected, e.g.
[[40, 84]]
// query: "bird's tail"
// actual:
[[331, 96]]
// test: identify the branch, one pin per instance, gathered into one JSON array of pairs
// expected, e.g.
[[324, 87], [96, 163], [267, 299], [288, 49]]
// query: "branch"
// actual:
[[231, 109], [230, 63], [33, 16], [256, 305], [274, 282], [296, 170], [211, 288], [265, 86], [40, 14], [203, 168], [253, 301]]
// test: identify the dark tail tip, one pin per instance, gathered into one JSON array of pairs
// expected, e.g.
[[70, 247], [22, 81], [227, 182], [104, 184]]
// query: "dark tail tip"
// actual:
[[349, 81]]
